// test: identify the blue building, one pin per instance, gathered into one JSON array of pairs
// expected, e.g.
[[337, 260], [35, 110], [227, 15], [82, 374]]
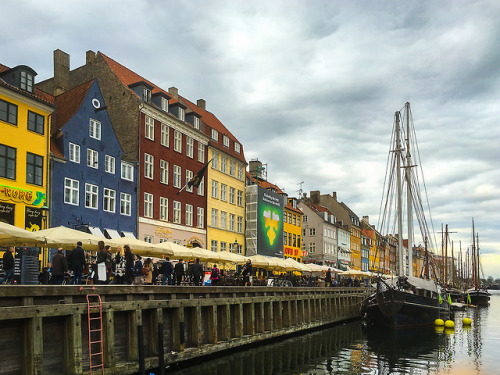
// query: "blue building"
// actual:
[[91, 187]]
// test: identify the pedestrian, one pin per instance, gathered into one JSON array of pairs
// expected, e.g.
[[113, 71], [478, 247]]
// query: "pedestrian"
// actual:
[[148, 277], [8, 266], [120, 266], [138, 275], [129, 265], [328, 278], [59, 266], [197, 272], [166, 269], [179, 272], [101, 263], [77, 263], [246, 272], [214, 275]]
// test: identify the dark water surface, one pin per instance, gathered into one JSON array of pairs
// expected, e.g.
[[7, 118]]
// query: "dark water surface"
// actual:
[[353, 349]]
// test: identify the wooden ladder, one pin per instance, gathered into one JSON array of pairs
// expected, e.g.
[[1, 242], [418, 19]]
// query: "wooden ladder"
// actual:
[[94, 309]]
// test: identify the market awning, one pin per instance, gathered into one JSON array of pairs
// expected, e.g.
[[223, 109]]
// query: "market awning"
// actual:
[[128, 234], [112, 233], [96, 232]]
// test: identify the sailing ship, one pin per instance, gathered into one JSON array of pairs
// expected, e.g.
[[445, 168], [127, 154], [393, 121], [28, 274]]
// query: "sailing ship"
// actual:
[[477, 294], [404, 300]]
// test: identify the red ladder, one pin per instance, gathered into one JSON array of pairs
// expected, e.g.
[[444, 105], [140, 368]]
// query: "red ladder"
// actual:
[[94, 309]]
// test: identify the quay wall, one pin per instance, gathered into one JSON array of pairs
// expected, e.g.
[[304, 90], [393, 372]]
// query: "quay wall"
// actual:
[[45, 330]]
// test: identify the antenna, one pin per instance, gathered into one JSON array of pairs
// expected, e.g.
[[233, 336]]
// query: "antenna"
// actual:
[[300, 188]]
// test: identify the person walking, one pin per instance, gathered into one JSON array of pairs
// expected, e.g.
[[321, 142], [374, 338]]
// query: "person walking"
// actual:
[[148, 265], [101, 263], [246, 272], [214, 275], [138, 275], [179, 272], [59, 266], [8, 266], [328, 278], [129, 265], [197, 272], [166, 269], [120, 266], [77, 263]]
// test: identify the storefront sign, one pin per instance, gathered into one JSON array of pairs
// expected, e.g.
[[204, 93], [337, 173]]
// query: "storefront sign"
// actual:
[[269, 222], [35, 198], [7, 212], [163, 232], [33, 219]]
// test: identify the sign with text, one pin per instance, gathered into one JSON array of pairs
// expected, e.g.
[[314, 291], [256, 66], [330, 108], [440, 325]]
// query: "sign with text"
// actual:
[[269, 223]]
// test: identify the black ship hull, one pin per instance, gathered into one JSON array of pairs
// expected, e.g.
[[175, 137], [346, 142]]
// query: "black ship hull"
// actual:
[[478, 297]]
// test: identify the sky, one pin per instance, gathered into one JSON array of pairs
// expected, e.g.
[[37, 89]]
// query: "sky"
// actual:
[[310, 88]]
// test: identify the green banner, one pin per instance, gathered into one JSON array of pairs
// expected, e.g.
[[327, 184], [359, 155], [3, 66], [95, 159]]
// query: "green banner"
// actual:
[[270, 223]]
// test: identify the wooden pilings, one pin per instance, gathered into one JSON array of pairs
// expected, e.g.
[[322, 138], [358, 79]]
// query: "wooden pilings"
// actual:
[[145, 327]]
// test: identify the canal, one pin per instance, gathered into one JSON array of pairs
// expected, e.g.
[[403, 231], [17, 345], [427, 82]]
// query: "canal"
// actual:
[[351, 348]]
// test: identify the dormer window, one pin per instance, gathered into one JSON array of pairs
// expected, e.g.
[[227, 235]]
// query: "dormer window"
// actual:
[[164, 104], [196, 122], [181, 113], [26, 81], [226, 141], [146, 95], [237, 147], [215, 135]]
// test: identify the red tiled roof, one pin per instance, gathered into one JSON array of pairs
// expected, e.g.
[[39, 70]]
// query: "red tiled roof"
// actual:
[[55, 150], [3, 68], [266, 184], [68, 104], [319, 208]]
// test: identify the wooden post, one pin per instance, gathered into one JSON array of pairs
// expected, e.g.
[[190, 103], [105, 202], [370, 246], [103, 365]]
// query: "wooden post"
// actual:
[[212, 324], [268, 316], [134, 319], [178, 329], [34, 346], [108, 333], [250, 319], [259, 317], [226, 321], [74, 344], [196, 326], [277, 315], [238, 320]]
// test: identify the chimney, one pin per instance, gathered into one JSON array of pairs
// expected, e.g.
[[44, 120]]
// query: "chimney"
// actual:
[[255, 169], [201, 103], [89, 56], [366, 219], [314, 196], [61, 72], [334, 195], [174, 92]]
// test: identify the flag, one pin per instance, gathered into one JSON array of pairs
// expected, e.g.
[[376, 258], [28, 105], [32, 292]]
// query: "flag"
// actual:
[[449, 299], [468, 299], [440, 299], [196, 180]]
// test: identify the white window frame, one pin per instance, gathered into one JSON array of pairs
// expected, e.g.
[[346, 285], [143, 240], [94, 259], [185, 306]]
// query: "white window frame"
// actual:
[[71, 191], [215, 135], [149, 161], [149, 128], [177, 141], [215, 218], [200, 217], [189, 147], [94, 129], [223, 246], [163, 171], [223, 219], [177, 212], [92, 195], [231, 222], [201, 187], [240, 172], [165, 135], [213, 245], [125, 204], [196, 122], [239, 224], [127, 171], [237, 147], [177, 176], [148, 204], [239, 198], [164, 208], [74, 153], [189, 215], [215, 189], [232, 168], [215, 160], [223, 164], [189, 177], [201, 152], [182, 114], [92, 158], [164, 104], [232, 194], [223, 192], [225, 141], [148, 238], [146, 95], [109, 200], [109, 164]]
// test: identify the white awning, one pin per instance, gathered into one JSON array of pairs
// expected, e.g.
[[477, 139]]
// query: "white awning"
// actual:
[[112, 233], [96, 231], [128, 234]]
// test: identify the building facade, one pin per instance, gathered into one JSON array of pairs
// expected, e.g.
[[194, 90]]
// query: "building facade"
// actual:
[[292, 230]]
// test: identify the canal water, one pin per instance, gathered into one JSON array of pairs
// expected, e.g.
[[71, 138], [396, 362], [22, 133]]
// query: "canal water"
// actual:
[[351, 348]]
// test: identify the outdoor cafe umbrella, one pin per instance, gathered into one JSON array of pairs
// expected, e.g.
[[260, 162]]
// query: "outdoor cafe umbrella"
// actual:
[[296, 265], [176, 251], [228, 257], [67, 238], [270, 263], [11, 235], [138, 247]]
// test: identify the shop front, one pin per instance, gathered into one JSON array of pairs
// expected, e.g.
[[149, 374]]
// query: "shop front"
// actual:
[[23, 208]]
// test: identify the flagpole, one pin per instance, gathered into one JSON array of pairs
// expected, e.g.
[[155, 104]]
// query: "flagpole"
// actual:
[[196, 175]]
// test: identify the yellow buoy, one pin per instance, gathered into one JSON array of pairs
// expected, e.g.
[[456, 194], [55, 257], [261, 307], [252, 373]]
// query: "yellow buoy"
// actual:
[[466, 321], [439, 322], [449, 324]]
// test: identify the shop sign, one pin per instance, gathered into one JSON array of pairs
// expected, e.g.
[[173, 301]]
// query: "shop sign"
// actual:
[[163, 232], [7, 213], [304, 253], [35, 198], [33, 219]]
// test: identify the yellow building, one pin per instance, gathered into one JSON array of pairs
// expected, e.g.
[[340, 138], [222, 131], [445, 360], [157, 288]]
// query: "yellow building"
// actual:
[[25, 116], [292, 228], [226, 198], [355, 247]]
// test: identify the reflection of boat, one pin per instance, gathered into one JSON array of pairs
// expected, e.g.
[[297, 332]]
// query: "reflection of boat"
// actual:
[[405, 300]]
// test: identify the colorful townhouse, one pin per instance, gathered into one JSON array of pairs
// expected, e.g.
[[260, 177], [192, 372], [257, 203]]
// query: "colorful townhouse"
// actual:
[[369, 232], [355, 239], [292, 228], [92, 188], [25, 117]]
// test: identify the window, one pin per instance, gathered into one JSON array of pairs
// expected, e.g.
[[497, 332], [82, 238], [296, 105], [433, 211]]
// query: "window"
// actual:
[[240, 198], [294, 219], [92, 158], [71, 189], [7, 162], [237, 147], [148, 166], [215, 160], [201, 152], [177, 141], [149, 128], [285, 238], [189, 215], [95, 129], [225, 140], [215, 135], [294, 240], [231, 222], [177, 212], [240, 172], [213, 245], [148, 238], [289, 239], [298, 221], [189, 147], [305, 219], [215, 189], [312, 247], [223, 246], [127, 171], [26, 81], [284, 217], [196, 122], [232, 168], [189, 177], [181, 114], [164, 104], [232, 191], [164, 172], [214, 217], [8, 112], [109, 200], [91, 196], [109, 164], [74, 153], [177, 176], [312, 231], [223, 164], [34, 169], [223, 192], [298, 240], [239, 224], [165, 135], [125, 204], [148, 205], [201, 217], [163, 208], [36, 122], [223, 219], [146, 94], [201, 187], [290, 217]]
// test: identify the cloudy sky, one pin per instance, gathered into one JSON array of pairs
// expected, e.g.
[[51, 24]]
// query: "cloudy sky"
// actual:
[[310, 87]]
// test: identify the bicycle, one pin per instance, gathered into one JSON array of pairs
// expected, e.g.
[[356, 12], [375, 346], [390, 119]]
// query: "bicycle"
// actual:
[[279, 283]]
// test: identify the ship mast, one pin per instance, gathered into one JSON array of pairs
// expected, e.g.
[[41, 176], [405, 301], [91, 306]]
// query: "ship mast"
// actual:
[[401, 258], [409, 202]]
